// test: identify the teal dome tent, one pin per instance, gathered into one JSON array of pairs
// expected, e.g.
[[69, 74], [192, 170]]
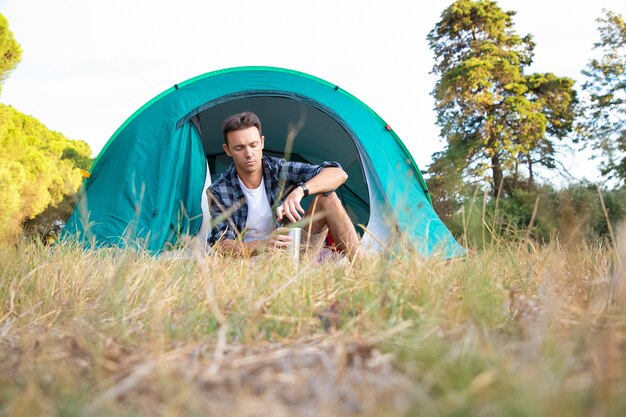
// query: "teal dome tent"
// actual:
[[147, 185]]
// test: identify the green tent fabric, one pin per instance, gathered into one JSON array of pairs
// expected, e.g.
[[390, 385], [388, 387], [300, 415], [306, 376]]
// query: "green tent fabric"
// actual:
[[147, 185]]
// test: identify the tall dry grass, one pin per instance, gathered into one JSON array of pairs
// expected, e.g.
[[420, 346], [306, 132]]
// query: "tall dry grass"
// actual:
[[516, 329]]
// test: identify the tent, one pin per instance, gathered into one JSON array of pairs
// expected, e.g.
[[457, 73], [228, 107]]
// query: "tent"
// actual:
[[147, 184]]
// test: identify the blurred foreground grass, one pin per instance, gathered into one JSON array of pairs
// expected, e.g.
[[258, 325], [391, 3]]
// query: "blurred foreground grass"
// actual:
[[514, 330]]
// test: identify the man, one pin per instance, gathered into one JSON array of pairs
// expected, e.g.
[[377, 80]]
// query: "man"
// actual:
[[245, 198]]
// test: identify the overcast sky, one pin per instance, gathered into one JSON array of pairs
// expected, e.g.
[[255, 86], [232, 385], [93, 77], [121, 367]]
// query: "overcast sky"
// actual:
[[88, 65]]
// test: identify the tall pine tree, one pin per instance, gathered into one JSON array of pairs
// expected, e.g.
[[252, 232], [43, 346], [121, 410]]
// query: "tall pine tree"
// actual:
[[493, 117]]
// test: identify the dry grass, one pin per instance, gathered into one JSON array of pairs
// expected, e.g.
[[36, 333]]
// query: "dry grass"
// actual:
[[513, 330]]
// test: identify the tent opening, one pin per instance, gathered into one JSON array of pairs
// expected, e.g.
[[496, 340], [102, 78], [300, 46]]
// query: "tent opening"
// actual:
[[296, 130]]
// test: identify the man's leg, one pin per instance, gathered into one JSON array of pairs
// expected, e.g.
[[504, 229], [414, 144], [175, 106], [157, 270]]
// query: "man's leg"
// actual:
[[327, 211]]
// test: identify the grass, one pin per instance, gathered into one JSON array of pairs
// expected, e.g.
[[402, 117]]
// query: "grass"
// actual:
[[515, 330]]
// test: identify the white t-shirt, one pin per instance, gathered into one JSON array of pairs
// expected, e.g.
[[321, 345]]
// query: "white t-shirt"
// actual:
[[260, 222]]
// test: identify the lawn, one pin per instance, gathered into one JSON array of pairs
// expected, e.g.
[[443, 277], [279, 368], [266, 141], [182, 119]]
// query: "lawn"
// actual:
[[516, 329]]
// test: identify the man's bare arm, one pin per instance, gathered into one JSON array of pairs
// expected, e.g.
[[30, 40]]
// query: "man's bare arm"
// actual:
[[328, 179]]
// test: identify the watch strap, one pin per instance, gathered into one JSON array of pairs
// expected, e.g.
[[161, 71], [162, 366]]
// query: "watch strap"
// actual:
[[304, 188]]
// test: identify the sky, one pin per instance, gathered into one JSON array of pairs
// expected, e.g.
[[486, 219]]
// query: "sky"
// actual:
[[88, 65]]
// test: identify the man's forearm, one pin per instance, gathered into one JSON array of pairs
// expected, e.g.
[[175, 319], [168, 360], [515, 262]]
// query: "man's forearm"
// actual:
[[329, 179]]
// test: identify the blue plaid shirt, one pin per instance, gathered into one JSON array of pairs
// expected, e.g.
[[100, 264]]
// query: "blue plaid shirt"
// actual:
[[227, 203]]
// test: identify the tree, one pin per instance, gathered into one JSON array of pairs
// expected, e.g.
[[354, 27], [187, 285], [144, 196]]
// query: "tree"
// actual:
[[39, 169], [603, 124], [493, 116], [10, 51]]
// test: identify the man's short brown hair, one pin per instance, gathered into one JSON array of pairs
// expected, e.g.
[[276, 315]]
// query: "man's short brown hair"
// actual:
[[240, 121]]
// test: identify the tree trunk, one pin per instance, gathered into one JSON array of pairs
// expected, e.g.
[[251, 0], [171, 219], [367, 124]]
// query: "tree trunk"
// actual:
[[531, 179], [497, 174]]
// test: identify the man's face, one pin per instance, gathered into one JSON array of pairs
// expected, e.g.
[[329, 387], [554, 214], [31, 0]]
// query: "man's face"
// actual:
[[246, 148]]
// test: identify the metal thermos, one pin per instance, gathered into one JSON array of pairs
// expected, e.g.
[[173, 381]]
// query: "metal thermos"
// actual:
[[294, 247]]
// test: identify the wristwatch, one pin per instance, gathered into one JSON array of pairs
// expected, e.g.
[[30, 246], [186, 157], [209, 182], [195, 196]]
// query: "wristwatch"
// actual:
[[304, 188]]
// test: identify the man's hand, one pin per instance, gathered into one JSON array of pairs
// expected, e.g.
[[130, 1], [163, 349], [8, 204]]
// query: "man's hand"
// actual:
[[279, 238], [291, 207]]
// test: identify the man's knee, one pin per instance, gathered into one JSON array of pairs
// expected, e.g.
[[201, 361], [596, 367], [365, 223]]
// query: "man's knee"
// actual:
[[328, 202]]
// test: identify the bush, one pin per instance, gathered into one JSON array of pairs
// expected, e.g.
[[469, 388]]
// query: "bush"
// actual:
[[569, 214]]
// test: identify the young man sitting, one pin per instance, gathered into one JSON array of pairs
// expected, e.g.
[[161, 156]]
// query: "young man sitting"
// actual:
[[248, 196]]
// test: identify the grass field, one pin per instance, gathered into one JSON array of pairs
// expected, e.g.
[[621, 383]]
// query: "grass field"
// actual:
[[513, 330]]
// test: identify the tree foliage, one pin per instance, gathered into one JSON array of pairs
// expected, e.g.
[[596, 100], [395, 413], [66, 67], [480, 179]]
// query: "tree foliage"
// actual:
[[39, 168], [10, 51], [492, 116], [603, 123]]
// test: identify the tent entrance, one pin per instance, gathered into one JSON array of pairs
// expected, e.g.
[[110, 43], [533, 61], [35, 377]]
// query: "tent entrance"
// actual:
[[296, 129]]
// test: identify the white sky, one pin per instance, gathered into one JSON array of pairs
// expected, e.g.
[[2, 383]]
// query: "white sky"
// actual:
[[88, 65]]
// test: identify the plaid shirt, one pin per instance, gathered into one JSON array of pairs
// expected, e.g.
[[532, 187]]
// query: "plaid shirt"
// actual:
[[227, 203]]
